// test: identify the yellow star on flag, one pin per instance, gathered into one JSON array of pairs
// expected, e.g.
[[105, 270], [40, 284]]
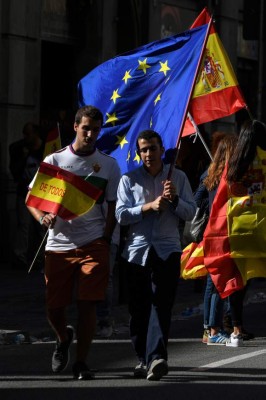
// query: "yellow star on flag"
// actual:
[[143, 65], [121, 141], [115, 95], [126, 76], [164, 67], [157, 99], [128, 156], [111, 118], [137, 158]]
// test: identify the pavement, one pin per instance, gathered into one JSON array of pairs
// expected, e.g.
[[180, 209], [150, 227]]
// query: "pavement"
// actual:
[[22, 305]]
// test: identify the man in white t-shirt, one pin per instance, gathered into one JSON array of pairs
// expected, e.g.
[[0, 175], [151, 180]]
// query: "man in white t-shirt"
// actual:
[[77, 251]]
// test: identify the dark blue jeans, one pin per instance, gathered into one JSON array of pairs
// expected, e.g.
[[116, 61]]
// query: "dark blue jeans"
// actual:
[[213, 306], [151, 290]]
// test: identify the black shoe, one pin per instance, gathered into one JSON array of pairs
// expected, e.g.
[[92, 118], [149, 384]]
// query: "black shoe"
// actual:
[[61, 354], [140, 370], [247, 335], [157, 370], [82, 372]]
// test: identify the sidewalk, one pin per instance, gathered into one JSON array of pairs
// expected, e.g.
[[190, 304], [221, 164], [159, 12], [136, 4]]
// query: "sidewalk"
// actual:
[[22, 305]]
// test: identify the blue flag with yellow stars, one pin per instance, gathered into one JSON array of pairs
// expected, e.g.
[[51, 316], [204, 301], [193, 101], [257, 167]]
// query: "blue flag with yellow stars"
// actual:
[[147, 88]]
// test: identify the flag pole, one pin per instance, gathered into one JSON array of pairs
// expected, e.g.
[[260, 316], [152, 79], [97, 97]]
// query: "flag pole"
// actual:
[[38, 251], [59, 134], [186, 111], [199, 135]]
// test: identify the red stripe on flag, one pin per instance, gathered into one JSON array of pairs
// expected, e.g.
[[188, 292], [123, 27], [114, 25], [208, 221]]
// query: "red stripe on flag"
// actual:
[[215, 105], [201, 19], [52, 135], [50, 207]]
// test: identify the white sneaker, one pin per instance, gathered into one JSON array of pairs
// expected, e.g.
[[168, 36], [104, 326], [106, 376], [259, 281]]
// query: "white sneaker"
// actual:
[[157, 370], [235, 340]]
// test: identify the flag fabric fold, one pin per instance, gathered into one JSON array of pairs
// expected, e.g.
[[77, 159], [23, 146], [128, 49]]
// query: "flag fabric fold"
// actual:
[[147, 88], [62, 193], [216, 93], [192, 261]]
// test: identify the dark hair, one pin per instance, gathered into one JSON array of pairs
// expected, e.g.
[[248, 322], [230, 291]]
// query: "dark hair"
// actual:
[[149, 134], [252, 134], [88, 111]]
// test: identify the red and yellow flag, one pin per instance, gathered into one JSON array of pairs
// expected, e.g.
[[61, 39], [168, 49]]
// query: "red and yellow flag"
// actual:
[[216, 93], [235, 237], [53, 141], [192, 262], [62, 193]]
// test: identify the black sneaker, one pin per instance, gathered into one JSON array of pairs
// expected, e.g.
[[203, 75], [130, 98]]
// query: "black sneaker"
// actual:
[[247, 335], [61, 354], [82, 372], [140, 370]]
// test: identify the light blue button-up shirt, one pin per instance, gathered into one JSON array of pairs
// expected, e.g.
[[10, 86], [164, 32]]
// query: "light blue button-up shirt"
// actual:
[[159, 230]]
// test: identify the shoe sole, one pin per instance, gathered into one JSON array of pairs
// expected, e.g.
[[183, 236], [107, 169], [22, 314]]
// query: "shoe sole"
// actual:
[[234, 344], [158, 371]]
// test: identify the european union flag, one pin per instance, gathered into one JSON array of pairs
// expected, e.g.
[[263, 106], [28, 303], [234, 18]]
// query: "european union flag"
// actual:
[[147, 88]]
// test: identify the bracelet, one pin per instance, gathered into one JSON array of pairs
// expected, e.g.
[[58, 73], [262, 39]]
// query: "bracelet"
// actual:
[[41, 219]]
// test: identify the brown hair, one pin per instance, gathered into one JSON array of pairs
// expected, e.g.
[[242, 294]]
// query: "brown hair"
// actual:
[[223, 152], [88, 111]]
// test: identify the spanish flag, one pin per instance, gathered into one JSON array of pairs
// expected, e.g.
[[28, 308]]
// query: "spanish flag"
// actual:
[[235, 237], [62, 193], [216, 93], [192, 262], [53, 141]]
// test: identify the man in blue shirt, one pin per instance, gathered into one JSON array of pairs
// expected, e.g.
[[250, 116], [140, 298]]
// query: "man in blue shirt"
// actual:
[[151, 205]]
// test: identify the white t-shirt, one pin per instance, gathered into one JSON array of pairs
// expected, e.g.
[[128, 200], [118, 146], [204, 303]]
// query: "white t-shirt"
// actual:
[[102, 171]]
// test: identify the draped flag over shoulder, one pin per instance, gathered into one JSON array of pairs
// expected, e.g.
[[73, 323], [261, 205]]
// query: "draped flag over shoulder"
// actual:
[[62, 193], [53, 141], [235, 237], [217, 93], [147, 88]]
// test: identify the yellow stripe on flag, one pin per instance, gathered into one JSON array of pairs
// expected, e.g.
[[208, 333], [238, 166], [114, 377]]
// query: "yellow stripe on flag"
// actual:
[[216, 72], [53, 141], [192, 262], [61, 192]]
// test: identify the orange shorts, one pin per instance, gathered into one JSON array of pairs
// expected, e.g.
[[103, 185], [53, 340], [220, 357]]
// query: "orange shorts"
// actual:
[[86, 269]]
